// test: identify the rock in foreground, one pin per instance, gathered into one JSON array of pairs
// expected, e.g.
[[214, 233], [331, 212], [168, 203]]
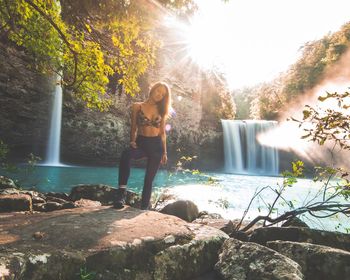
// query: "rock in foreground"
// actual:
[[317, 262], [249, 261], [112, 244]]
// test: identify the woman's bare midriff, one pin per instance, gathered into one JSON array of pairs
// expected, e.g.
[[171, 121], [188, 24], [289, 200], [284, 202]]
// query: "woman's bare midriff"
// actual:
[[148, 131]]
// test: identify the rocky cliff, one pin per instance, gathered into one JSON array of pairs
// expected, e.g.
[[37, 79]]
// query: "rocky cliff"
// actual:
[[24, 103]]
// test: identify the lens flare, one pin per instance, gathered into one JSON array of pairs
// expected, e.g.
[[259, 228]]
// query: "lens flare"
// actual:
[[167, 127]]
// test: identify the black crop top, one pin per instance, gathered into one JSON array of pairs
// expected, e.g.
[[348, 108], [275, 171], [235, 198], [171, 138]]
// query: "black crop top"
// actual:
[[142, 120]]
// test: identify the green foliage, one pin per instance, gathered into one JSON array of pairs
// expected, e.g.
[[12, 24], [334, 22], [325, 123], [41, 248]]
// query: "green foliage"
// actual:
[[86, 42], [243, 99], [221, 202], [184, 166], [268, 100], [317, 57], [217, 102], [290, 177], [86, 275], [323, 125]]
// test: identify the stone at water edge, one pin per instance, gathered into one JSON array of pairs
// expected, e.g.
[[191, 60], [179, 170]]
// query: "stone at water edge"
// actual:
[[98, 192], [6, 183], [295, 222], [9, 191], [297, 234], [184, 209], [58, 195], [244, 260], [102, 193], [317, 261], [15, 202]]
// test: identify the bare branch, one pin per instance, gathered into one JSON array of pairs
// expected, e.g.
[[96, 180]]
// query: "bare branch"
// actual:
[[342, 208], [248, 207]]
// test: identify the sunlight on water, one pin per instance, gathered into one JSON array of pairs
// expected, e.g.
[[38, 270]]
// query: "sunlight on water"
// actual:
[[229, 196], [236, 191]]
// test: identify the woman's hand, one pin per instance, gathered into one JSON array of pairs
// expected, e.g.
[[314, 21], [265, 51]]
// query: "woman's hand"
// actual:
[[133, 144], [164, 159]]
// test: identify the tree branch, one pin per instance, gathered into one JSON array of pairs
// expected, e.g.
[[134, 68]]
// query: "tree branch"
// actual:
[[287, 215], [63, 37]]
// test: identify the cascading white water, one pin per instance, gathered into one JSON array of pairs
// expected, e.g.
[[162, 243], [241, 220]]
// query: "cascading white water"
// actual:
[[243, 153], [53, 147]]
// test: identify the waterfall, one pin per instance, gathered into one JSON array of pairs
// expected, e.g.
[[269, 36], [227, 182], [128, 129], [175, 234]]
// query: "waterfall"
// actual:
[[243, 153], [53, 147]]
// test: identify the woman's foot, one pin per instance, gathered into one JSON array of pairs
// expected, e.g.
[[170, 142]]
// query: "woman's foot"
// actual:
[[120, 199], [146, 207]]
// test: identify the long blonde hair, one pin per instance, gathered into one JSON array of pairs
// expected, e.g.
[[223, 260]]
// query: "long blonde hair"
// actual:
[[165, 104]]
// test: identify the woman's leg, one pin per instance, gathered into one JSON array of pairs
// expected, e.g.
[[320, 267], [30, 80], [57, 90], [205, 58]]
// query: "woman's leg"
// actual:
[[125, 164], [153, 163], [124, 173]]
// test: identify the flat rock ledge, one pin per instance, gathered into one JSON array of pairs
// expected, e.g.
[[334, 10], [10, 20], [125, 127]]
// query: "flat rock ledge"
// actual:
[[107, 243]]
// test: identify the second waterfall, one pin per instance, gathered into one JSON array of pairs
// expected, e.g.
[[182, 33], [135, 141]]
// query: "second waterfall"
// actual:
[[243, 153]]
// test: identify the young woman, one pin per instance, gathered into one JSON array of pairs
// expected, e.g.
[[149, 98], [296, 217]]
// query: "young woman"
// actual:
[[147, 139]]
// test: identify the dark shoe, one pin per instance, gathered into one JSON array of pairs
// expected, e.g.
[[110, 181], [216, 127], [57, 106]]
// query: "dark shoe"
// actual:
[[120, 199], [148, 207]]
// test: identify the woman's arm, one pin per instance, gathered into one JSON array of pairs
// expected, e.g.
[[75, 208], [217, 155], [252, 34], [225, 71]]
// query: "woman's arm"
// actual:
[[162, 135], [133, 129]]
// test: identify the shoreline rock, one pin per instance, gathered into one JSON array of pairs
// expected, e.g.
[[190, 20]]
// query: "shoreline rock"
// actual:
[[113, 244]]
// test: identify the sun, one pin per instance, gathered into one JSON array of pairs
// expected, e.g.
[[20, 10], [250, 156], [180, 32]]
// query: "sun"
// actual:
[[210, 40], [206, 38], [252, 42], [206, 41]]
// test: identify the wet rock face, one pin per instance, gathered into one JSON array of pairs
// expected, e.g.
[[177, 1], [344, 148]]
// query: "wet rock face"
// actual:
[[317, 262], [24, 104], [94, 138], [243, 260]]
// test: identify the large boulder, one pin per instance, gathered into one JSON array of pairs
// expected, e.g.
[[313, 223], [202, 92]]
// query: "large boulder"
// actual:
[[111, 244], [249, 261], [15, 202], [184, 209], [317, 262], [296, 234]]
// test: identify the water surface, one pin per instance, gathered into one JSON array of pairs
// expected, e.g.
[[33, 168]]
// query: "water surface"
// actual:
[[229, 195]]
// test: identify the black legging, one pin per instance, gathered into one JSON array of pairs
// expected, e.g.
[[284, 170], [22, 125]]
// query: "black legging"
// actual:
[[150, 147]]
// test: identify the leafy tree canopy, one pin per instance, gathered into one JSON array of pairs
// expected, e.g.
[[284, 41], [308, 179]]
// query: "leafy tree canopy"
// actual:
[[87, 42], [307, 72]]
